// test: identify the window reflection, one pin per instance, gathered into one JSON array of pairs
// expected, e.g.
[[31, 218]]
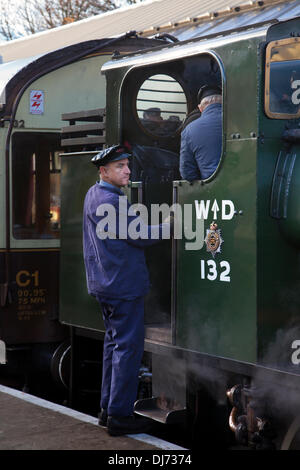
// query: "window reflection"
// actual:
[[283, 79], [161, 105], [285, 87], [36, 185]]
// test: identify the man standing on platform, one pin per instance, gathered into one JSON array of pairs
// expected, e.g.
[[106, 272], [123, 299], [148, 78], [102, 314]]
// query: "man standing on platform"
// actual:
[[117, 276]]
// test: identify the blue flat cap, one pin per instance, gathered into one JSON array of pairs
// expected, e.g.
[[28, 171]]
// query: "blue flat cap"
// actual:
[[111, 154], [208, 90]]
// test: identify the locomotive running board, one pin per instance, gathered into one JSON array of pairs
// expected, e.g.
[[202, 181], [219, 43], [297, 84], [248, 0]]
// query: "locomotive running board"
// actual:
[[149, 407]]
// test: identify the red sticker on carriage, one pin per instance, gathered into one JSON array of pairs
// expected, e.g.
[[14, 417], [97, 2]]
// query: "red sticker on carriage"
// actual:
[[36, 102]]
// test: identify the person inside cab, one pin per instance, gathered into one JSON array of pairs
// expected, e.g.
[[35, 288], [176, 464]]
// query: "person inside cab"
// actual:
[[201, 139]]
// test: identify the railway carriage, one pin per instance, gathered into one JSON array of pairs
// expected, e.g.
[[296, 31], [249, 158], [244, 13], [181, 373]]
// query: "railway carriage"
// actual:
[[35, 92]]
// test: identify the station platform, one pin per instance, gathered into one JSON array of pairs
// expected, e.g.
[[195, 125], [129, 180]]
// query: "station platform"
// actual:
[[31, 423]]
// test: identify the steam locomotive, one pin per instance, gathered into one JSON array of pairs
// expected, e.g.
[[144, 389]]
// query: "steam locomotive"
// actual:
[[222, 316], [222, 348]]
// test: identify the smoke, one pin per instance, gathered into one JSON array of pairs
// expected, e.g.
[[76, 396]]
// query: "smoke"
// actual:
[[278, 380], [281, 351]]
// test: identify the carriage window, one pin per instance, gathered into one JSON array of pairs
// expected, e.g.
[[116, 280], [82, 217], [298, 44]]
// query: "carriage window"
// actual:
[[36, 183], [282, 93], [161, 105]]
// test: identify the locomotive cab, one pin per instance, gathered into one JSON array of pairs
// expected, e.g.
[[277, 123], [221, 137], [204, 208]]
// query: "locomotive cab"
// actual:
[[155, 101], [151, 108], [216, 295]]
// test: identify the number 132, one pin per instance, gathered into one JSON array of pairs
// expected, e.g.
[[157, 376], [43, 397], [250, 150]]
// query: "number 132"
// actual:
[[211, 271]]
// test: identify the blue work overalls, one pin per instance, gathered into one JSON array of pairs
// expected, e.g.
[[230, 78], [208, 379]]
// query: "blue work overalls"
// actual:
[[201, 144], [117, 276]]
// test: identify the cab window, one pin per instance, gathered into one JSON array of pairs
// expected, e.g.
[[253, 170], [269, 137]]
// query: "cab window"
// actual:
[[161, 105], [282, 91]]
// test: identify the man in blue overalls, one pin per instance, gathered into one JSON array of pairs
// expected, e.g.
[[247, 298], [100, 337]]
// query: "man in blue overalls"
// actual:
[[117, 276], [201, 139]]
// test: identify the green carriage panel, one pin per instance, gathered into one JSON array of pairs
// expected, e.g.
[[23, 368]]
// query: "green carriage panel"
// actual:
[[76, 306]]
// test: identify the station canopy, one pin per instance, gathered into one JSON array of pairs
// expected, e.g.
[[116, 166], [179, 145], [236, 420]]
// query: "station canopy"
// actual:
[[183, 20]]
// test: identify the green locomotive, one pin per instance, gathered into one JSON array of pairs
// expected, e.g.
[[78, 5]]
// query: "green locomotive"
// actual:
[[222, 317]]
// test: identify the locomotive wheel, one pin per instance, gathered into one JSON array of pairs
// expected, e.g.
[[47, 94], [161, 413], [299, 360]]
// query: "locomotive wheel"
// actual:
[[291, 434]]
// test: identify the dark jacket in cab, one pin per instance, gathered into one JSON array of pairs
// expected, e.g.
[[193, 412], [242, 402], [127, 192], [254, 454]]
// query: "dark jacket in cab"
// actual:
[[201, 144]]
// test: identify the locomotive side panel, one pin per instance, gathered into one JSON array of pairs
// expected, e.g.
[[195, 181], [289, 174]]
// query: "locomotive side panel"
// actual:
[[217, 289]]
